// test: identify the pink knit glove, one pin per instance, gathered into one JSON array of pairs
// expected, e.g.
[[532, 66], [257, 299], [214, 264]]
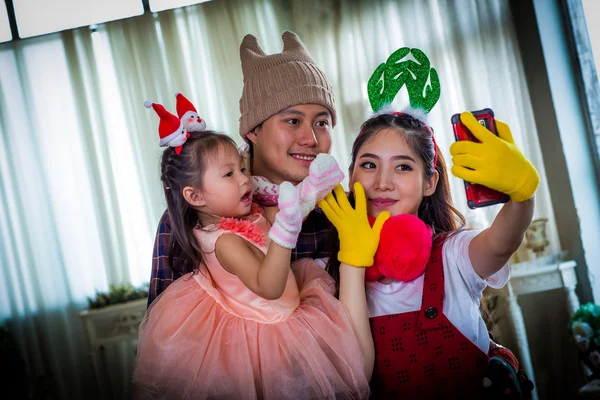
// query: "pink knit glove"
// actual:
[[324, 174], [288, 221]]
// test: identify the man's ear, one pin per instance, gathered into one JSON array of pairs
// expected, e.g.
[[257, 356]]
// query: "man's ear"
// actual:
[[193, 196], [252, 136], [431, 184]]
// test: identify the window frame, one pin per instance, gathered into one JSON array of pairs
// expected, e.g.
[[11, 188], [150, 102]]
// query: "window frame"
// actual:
[[587, 75]]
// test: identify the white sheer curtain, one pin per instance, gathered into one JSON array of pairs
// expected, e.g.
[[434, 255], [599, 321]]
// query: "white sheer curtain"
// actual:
[[80, 195], [471, 44]]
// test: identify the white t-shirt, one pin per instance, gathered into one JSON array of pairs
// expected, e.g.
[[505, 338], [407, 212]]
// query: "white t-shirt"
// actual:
[[463, 290]]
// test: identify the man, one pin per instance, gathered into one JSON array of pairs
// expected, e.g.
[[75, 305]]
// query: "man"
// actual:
[[287, 115]]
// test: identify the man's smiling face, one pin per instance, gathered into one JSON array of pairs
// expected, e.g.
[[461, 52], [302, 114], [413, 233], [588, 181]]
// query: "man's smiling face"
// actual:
[[286, 143]]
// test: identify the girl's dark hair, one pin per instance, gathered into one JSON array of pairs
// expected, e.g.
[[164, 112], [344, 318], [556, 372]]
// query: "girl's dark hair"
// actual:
[[436, 210], [178, 171]]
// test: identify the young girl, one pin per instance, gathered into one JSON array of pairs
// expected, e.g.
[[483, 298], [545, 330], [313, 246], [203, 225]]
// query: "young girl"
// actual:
[[241, 324], [430, 339]]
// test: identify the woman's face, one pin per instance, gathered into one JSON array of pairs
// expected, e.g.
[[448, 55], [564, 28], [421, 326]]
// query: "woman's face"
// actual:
[[392, 174]]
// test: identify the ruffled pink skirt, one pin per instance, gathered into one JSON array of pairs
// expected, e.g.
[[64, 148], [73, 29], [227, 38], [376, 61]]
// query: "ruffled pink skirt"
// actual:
[[191, 348]]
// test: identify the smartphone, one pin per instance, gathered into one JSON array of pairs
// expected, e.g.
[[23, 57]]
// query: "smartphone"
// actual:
[[478, 195]]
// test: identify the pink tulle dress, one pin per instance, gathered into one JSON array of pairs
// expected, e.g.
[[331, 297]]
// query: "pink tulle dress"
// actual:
[[209, 337]]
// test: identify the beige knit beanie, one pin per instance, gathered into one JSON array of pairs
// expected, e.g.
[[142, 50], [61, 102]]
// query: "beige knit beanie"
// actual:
[[275, 82]]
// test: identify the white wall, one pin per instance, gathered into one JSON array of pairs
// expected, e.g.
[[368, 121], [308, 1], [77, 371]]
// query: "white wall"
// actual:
[[573, 134]]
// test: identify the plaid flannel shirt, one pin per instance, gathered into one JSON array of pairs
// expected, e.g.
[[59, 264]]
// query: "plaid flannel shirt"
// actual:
[[311, 243]]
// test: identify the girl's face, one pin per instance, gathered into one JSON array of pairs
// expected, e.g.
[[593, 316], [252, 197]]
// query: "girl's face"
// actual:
[[226, 190], [392, 174]]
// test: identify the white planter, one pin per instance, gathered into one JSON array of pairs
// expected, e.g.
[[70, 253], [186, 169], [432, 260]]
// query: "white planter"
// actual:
[[112, 334]]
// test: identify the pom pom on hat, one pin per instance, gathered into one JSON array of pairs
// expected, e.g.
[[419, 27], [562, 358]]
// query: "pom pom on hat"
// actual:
[[169, 126]]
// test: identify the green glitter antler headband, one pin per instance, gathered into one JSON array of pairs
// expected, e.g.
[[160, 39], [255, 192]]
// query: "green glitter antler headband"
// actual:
[[422, 81]]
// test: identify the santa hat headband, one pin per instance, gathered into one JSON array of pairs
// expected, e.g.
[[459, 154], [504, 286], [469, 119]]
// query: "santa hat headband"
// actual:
[[169, 127], [183, 105], [421, 81], [188, 115]]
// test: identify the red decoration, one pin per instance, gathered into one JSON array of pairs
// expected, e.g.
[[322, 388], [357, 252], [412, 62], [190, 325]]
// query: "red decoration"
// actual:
[[404, 249], [245, 228]]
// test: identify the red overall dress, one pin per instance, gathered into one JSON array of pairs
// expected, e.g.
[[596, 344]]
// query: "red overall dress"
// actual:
[[421, 354]]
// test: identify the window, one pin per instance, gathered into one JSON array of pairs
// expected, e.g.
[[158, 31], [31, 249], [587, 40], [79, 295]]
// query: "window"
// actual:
[[586, 37], [160, 5], [5, 34], [38, 17]]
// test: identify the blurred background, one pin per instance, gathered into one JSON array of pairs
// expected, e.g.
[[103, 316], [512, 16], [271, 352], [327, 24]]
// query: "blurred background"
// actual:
[[80, 194]]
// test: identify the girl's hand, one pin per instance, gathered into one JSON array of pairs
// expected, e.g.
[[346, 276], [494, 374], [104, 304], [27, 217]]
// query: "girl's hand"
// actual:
[[358, 241], [324, 174], [496, 162], [288, 221]]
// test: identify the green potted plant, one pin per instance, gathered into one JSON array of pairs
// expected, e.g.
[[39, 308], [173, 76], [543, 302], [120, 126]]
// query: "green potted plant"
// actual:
[[118, 294]]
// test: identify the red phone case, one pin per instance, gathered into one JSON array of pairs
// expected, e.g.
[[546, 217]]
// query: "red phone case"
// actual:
[[478, 195]]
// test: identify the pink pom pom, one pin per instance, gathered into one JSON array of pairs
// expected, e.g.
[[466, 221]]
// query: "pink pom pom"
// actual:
[[404, 248], [373, 274]]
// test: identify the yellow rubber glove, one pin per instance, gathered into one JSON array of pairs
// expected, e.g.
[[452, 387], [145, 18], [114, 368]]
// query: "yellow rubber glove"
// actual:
[[358, 241], [496, 162]]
